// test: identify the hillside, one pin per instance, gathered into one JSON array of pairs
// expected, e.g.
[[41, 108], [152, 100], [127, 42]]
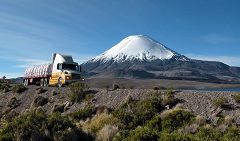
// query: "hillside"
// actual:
[[105, 106]]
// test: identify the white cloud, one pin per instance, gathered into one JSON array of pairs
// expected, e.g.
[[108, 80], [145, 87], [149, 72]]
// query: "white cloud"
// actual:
[[229, 60], [218, 39], [27, 62]]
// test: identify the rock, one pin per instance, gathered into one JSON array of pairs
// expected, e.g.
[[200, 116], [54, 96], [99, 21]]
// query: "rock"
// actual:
[[40, 90], [58, 108], [13, 103], [39, 101], [10, 115], [66, 105]]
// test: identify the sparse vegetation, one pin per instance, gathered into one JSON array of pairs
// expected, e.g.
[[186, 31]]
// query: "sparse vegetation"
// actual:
[[220, 102], [36, 125], [4, 87], [40, 90], [107, 133], [98, 121], [54, 92], [144, 119], [136, 113], [236, 98], [115, 86], [82, 114], [19, 88], [156, 88], [77, 91], [168, 97]]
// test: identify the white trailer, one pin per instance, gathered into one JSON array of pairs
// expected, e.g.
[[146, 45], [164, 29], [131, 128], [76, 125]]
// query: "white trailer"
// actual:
[[62, 70]]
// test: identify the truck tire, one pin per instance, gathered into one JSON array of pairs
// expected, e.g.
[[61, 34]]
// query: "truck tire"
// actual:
[[25, 83], [41, 82], [60, 82], [45, 82]]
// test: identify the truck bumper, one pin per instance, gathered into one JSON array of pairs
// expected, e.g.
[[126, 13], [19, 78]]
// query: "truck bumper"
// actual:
[[74, 80]]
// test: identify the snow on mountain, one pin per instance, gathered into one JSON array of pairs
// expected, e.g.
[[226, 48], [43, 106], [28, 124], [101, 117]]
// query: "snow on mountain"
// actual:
[[138, 47]]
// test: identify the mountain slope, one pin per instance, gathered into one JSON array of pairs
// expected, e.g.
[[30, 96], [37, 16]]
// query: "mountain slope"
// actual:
[[142, 57]]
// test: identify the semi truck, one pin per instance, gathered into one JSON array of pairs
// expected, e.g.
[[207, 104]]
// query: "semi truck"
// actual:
[[60, 71]]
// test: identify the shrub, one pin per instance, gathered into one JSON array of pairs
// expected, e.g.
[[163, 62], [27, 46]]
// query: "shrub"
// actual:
[[228, 120], [13, 103], [156, 88], [232, 134], [54, 92], [77, 91], [219, 102], [18, 88], [190, 129], [175, 119], [99, 121], [121, 135], [155, 123], [207, 133], [107, 133], [23, 127], [236, 98], [168, 97], [36, 125], [200, 120], [115, 86], [4, 87], [142, 134], [82, 114], [175, 137], [135, 113]]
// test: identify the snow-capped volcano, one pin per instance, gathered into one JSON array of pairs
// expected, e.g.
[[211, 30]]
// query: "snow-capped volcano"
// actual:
[[137, 47], [140, 56]]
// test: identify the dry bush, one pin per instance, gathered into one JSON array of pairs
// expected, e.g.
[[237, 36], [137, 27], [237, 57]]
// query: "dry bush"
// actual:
[[179, 106], [236, 98], [219, 102], [115, 86], [200, 120], [222, 128], [107, 133], [99, 121], [228, 120], [191, 129], [18, 88], [167, 112]]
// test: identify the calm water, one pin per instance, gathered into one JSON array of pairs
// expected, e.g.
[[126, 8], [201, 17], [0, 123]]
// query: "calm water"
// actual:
[[218, 89], [224, 89]]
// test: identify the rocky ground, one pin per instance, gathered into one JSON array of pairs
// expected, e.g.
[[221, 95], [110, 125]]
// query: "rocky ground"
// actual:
[[56, 99]]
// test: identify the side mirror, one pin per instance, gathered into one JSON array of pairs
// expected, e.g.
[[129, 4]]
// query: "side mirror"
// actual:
[[80, 68]]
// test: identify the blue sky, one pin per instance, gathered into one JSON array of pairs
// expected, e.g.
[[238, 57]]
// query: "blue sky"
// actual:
[[31, 30]]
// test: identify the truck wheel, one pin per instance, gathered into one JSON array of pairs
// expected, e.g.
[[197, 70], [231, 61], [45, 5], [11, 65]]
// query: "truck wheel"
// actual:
[[60, 82], [42, 82], [25, 82], [45, 82]]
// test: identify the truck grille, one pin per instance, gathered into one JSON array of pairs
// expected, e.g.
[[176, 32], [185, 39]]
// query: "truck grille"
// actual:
[[76, 76]]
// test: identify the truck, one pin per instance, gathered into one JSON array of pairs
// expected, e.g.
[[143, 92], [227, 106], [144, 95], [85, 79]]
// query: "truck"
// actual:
[[60, 71]]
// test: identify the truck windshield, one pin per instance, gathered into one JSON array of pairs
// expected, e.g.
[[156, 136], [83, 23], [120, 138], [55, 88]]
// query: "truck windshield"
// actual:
[[69, 67]]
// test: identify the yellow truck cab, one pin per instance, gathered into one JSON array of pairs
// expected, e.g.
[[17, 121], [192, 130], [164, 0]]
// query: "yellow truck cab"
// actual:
[[62, 70]]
